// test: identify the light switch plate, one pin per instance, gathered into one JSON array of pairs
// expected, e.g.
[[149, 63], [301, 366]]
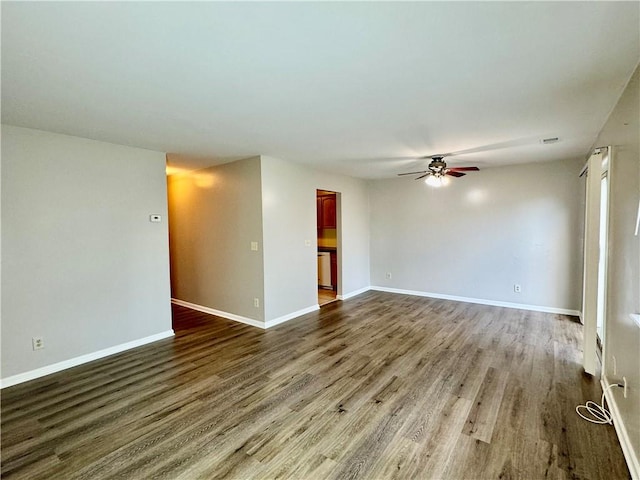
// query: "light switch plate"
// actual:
[[155, 218]]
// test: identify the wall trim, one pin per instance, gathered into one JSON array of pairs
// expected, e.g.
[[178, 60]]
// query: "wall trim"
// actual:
[[74, 362], [623, 436], [248, 321], [291, 316], [353, 294], [494, 303], [220, 313]]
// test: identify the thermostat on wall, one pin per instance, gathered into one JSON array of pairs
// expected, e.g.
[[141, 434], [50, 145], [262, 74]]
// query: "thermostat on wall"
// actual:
[[155, 218]]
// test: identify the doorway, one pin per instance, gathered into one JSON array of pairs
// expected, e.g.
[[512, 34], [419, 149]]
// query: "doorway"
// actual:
[[327, 222]]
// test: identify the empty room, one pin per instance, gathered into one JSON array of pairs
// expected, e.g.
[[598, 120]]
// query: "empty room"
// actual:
[[309, 240]]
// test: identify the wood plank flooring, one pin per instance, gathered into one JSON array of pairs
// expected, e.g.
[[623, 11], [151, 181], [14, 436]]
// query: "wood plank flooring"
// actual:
[[381, 386], [325, 296]]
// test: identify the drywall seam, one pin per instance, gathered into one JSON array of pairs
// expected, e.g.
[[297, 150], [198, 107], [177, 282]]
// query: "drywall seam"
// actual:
[[220, 313], [494, 303], [74, 362], [623, 436]]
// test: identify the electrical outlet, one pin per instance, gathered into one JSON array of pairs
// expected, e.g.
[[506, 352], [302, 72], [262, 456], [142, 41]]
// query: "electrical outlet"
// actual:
[[624, 382], [256, 302], [517, 288], [37, 343], [254, 246], [615, 364], [388, 275]]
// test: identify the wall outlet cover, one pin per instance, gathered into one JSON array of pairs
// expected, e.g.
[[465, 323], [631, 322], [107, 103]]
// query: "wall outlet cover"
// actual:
[[37, 343]]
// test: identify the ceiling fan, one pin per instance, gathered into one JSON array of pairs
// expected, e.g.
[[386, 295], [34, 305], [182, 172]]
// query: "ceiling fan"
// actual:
[[437, 171]]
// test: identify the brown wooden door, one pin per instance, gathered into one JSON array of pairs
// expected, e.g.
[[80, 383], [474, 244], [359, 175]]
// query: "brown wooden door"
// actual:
[[329, 211], [334, 271], [319, 212]]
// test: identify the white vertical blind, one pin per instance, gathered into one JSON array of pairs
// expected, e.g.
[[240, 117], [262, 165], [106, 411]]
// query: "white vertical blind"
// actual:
[[591, 257]]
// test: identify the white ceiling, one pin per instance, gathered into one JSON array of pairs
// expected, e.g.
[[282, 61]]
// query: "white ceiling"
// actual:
[[348, 87]]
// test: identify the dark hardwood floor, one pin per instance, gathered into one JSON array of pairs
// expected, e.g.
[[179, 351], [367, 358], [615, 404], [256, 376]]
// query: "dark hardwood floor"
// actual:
[[380, 386]]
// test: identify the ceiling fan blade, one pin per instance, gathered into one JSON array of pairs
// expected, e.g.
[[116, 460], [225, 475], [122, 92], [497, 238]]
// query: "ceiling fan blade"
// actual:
[[517, 142], [464, 169], [455, 174], [422, 176], [412, 173]]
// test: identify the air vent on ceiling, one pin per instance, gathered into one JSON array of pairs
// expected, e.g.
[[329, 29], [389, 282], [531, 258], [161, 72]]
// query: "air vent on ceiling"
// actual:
[[549, 140]]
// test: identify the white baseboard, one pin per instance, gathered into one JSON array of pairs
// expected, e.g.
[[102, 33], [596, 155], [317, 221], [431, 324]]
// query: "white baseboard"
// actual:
[[241, 319], [623, 436], [74, 362], [353, 294], [220, 313], [291, 316], [494, 303]]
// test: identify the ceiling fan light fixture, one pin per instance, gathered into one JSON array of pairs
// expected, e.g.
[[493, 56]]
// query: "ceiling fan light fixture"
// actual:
[[436, 180], [437, 173]]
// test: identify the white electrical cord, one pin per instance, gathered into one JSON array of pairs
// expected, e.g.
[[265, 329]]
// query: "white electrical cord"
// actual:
[[599, 413]]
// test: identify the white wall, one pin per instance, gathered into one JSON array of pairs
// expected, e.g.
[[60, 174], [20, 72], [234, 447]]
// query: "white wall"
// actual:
[[215, 214], [82, 266], [622, 335], [289, 216], [482, 234]]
